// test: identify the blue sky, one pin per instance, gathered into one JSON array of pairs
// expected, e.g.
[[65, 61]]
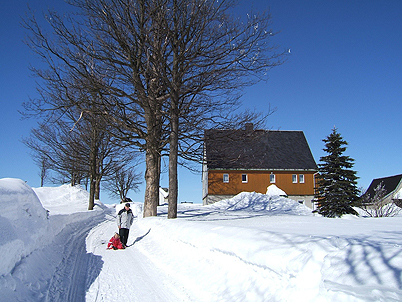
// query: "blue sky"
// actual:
[[345, 70]]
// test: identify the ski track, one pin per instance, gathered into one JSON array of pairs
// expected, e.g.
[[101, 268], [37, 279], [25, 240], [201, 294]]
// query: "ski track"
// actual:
[[67, 269], [76, 270]]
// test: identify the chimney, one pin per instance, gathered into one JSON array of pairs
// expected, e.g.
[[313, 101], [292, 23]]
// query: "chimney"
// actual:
[[249, 127]]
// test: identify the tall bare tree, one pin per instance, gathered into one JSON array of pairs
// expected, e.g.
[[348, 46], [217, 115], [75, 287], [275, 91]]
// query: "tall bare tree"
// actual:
[[159, 68], [124, 180], [207, 58]]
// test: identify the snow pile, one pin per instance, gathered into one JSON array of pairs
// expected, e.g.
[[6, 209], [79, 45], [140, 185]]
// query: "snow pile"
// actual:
[[65, 199], [273, 190], [257, 202], [23, 222]]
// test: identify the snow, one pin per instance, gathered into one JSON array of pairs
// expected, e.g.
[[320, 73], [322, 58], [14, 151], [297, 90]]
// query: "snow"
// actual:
[[273, 190], [253, 247], [398, 195]]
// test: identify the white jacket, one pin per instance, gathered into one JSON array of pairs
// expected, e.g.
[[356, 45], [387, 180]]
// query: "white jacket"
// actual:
[[125, 218]]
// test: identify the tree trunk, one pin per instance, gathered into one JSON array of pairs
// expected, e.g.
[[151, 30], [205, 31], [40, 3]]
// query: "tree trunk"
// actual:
[[173, 156], [97, 188], [173, 182], [152, 183], [91, 194], [93, 154]]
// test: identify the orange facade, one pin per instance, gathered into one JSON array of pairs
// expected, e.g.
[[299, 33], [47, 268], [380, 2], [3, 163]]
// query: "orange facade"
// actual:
[[237, 181]]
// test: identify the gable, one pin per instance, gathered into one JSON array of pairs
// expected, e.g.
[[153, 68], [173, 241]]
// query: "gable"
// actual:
[[258, 149], [390, 184]]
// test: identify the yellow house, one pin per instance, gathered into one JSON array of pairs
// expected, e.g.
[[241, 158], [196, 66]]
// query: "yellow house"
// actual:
[[250, 160]]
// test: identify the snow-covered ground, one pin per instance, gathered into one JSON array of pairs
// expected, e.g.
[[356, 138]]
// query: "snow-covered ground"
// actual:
[[253, 247]]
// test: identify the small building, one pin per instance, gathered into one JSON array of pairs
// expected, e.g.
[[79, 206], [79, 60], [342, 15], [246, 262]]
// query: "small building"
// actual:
[[250, 160], [392, 186]]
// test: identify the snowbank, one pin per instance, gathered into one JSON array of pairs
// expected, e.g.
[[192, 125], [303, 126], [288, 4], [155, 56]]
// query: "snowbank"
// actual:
[[23, 222], [34, 239], [136, 208], [65, 199]]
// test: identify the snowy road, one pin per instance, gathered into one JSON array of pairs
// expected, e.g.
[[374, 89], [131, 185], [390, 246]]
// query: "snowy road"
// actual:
[[128, 275], [77, 269], [235, 250]]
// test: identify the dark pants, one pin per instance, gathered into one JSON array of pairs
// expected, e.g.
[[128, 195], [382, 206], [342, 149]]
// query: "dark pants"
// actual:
[[123, 235]]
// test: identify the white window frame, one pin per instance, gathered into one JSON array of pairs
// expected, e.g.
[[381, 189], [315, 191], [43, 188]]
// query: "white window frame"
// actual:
[[226, 178], [294, 178], [272, 178], [244, 181], [301, 178]]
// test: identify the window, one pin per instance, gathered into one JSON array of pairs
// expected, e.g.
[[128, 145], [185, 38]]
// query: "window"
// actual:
[[244, 178], [272, 178], [301, 178], [294, 178], [226, 178]]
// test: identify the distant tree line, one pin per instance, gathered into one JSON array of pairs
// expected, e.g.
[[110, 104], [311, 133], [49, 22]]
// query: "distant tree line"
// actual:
[[126, 78]]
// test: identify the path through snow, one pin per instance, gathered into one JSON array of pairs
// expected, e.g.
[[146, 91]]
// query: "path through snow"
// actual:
[[129, 275]]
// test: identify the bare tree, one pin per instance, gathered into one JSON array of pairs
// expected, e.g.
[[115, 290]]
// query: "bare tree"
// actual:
[[124, 180], [60, 150], [207, 57], [377, 205], [156, 69], [42, 162], [77, 151]]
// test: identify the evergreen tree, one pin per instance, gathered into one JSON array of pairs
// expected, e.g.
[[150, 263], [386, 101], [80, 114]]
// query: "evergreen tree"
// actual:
[[336, 190]]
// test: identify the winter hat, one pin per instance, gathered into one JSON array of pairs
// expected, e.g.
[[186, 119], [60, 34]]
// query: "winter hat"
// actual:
[[127, 205]]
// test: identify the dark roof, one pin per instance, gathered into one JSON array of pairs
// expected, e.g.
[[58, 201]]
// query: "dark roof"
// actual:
[[258, 149], [390, 184]]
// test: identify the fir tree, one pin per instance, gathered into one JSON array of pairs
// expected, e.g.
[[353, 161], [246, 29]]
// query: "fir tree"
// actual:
[[337, 190]]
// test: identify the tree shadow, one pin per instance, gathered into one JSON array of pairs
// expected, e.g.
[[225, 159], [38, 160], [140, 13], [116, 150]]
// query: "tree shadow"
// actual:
[[367, 260], [139, 238], [350, 261]]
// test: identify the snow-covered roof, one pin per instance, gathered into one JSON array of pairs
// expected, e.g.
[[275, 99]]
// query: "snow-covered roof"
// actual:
[[164, 192]]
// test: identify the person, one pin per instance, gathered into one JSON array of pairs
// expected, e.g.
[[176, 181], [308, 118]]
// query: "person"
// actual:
[[125, 219], [115, 243]]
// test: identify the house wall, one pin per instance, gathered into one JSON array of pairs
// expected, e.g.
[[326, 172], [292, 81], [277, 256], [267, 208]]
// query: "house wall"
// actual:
[[204, 180], [258, 181]]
